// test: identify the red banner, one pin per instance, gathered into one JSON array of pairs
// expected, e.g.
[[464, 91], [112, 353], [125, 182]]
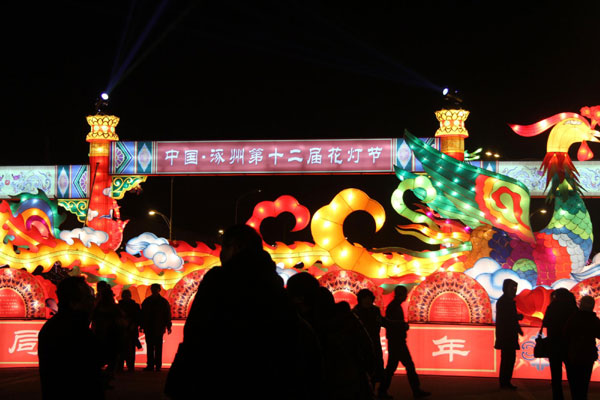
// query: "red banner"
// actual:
[[436, 349], [469, 351], [19, 339], [273, 157]]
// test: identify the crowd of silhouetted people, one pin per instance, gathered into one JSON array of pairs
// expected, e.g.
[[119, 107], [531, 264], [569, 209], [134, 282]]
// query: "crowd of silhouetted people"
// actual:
[[250, 335], [572, 332], [288, 341], [92, 337]]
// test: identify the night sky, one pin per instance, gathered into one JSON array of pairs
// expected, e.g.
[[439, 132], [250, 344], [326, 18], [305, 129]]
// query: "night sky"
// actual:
[[187, 70]]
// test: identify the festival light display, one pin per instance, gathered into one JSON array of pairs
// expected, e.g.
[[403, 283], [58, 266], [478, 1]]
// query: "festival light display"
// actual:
[[478, 219]]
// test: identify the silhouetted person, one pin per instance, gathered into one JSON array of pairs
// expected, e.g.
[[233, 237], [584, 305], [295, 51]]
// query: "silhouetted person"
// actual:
[[156, 319], [557, 314], [243, 337], [396, 328], [371, 318], [132, 312], [108, 324], [349, 355], [70, 361], [581, 331], [507, 332], [309, 301], [100, 287]]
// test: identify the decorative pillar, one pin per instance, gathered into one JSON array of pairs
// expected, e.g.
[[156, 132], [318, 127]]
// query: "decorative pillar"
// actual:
[[452, 132], [103, 211]]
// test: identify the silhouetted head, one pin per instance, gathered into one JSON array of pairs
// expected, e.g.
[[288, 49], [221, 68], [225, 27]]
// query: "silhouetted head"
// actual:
[[155, 288], [365, 297], [400, 293], [74, 294], [126, 294], [239, 238], [325, 303], [102, 285], [103, 288], [586, 303], [303, 289], [563, 295], [509, 287], [342, 307]]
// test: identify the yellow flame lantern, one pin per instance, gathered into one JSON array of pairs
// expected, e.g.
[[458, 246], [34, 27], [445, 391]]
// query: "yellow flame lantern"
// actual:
[[327, 229], [452, 132]]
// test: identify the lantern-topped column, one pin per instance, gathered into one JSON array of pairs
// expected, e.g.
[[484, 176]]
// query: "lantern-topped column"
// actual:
[[102, 212], [452, 132]]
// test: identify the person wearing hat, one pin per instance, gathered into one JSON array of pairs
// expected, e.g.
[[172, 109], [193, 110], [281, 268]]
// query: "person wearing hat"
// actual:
[[507, 332]]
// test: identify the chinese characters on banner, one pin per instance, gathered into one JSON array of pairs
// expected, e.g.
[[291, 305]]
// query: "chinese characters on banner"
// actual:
[[19, 343], [468, 350], [436, 349], [272, 157]]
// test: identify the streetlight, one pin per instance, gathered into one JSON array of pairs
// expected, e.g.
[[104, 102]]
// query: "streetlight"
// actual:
[[237, 202], [168, 221], [491, 154]]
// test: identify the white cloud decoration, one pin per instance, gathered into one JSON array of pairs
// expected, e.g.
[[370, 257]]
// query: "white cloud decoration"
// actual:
[[564, 283], [490, 274], [156, 249], [588, 271], [86, 234], [91, 214]]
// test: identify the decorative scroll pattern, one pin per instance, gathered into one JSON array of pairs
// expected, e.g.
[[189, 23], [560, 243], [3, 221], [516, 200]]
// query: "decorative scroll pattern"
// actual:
[[123, 183], [17, 180], [528, 172], [76, 207]]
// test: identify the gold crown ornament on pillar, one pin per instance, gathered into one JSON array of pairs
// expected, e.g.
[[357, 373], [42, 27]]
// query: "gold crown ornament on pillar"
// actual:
[[452, 131], [102, 128]]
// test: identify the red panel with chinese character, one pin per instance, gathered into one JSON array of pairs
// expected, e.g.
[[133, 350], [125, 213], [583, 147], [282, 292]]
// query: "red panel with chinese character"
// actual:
[[460, 350], [19, 339]]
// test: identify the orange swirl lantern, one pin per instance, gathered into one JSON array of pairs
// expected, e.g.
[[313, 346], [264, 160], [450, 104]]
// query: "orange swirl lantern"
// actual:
[[327, 229]]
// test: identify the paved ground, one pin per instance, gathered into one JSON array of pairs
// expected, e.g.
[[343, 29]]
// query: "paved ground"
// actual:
[[23, 383]]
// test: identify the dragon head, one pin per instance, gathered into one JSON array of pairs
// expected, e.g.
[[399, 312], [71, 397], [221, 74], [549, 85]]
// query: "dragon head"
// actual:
[[568, 128], [569, 131]]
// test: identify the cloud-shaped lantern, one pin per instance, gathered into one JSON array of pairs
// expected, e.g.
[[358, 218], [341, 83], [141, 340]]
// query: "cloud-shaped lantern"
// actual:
[[156, 249]]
